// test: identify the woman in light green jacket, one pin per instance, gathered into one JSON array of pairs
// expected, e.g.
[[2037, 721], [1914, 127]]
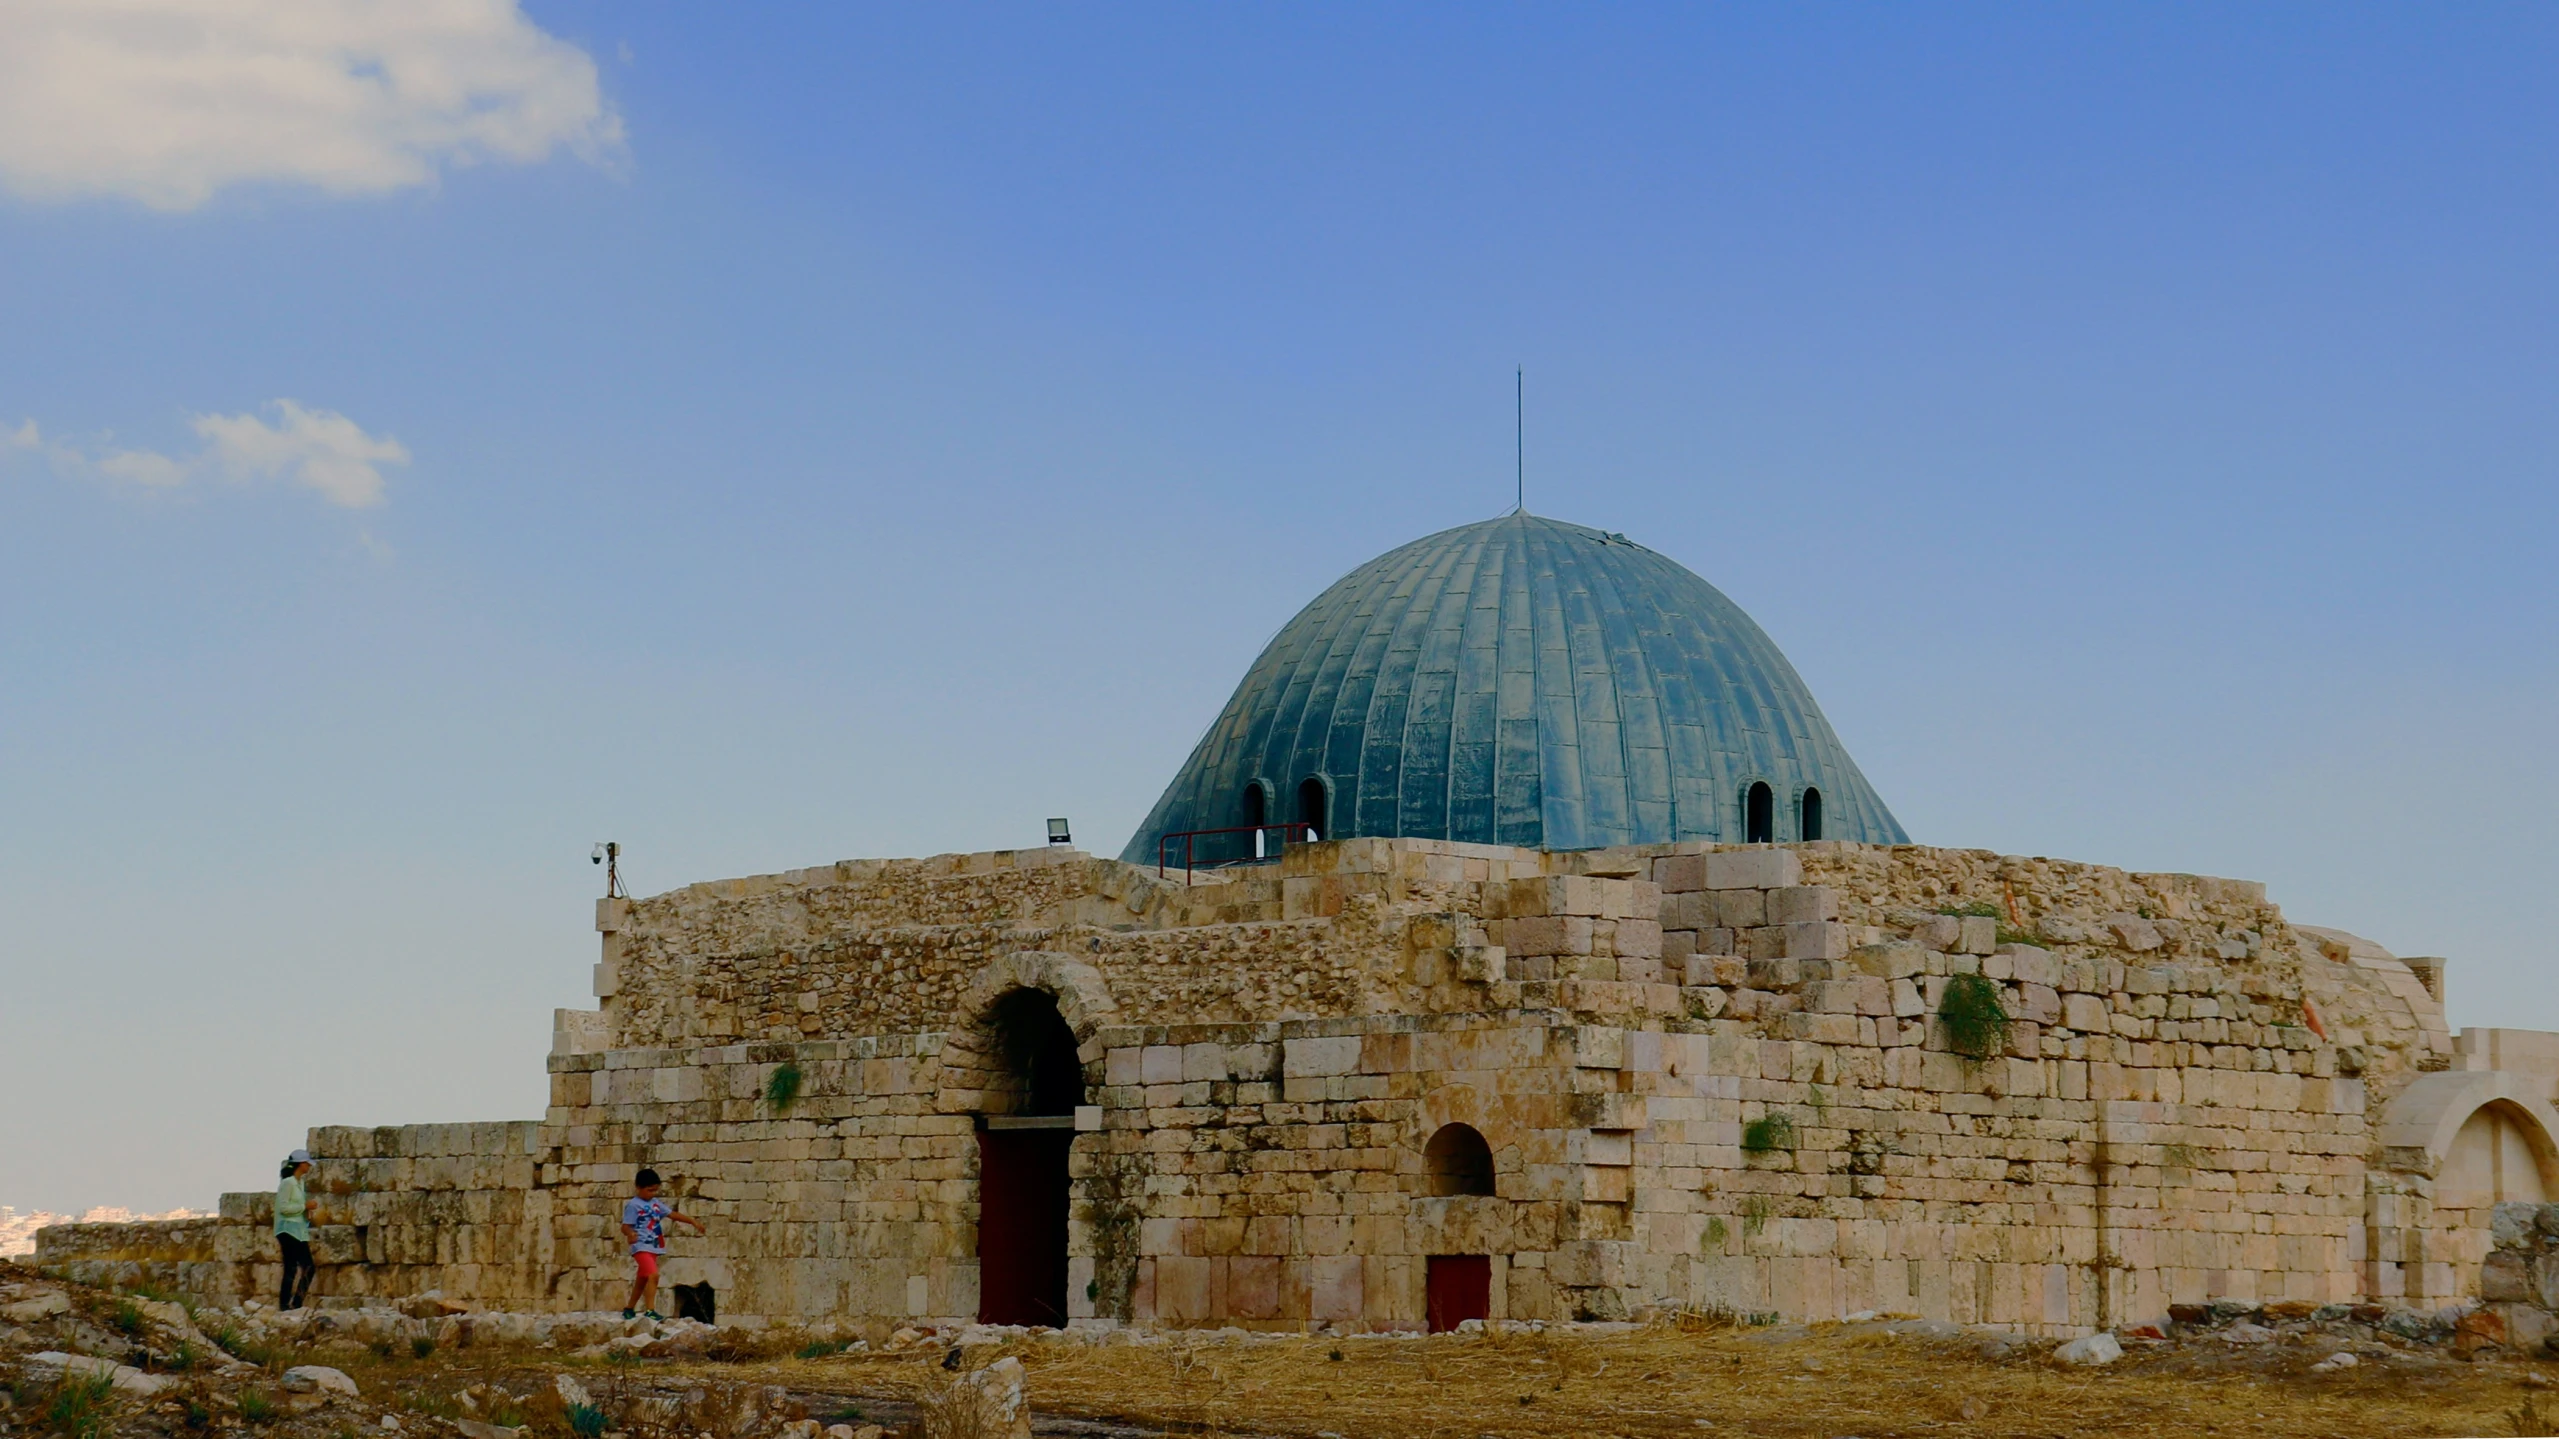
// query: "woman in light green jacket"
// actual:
[[293, 1231]]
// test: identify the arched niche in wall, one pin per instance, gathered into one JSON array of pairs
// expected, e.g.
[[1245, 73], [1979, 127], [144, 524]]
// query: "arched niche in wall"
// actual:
[[1257, 812], [1759, 813], [2485, 1136], [1458, 1161], [2497, 1157], [1314, 807]]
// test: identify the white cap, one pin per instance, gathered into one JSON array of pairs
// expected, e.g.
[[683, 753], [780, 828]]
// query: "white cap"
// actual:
[[299, 1156]]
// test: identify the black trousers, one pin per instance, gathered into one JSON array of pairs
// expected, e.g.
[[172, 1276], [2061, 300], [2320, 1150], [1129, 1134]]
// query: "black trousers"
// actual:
[[297, 1265]]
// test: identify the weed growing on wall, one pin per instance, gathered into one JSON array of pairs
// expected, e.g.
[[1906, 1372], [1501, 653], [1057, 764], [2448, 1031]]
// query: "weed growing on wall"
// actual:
[[1975, 1019], [1115, 1189], [1983, 909], [1768, 1134], [783, 1088], [1756, 1212]]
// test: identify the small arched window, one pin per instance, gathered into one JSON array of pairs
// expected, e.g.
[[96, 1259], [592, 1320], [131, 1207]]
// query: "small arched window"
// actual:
[[1257, 812], [1809, 820], [1759, 814], [1310, 809], [1458, 1161]]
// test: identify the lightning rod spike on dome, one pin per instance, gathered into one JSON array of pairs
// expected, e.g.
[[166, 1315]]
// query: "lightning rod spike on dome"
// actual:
[[1519, 440]]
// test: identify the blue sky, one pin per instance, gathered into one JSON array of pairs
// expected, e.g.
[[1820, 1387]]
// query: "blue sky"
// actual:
[[770, 436]]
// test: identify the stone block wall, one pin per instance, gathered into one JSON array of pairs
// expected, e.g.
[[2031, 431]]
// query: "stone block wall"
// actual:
[[856, 1199], [456, 1208], [170, 1256], [1709, 1076], [2519, 1282]]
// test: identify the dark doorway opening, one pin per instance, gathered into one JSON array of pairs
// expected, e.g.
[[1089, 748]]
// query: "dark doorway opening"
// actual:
[[1310, 809], [1459, 1287], [1810, 821], [1023, 1189], [1759, 814], [1021, 1226]]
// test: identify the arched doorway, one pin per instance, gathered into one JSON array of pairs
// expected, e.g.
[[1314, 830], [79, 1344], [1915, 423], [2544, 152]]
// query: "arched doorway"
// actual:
[[1808, 817], [1457, 1287], [1023, 1139]]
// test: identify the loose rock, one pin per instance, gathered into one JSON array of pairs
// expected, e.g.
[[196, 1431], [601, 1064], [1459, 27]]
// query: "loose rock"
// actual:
[[986, 1404], [2096, 1349], [317, 1378], [55, 1365], [35, 1311]]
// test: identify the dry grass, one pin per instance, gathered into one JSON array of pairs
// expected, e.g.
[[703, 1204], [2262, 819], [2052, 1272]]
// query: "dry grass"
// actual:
[[1661, 1381], [1664, 1381]]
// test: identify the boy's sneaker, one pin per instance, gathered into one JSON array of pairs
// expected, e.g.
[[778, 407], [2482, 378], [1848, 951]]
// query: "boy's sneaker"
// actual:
[[630, 1313], [653, 1314]]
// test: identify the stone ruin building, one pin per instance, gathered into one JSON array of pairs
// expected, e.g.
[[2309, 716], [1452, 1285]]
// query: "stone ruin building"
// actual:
[[1520, 942]]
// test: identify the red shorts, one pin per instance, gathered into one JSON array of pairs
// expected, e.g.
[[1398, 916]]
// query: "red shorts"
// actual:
[[648, 1264]]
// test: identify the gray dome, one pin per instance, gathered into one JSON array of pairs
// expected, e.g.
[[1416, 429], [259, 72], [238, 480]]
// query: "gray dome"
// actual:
[[1524, 682]]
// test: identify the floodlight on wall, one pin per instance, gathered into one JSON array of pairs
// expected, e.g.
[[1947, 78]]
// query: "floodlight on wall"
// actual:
[[1058, 834]]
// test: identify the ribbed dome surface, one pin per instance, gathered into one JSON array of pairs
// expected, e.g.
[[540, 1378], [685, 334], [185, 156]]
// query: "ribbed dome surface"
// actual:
[[1520, 681]]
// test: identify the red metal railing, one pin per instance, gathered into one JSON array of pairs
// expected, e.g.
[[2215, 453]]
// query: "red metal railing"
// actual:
[[1163, 846]]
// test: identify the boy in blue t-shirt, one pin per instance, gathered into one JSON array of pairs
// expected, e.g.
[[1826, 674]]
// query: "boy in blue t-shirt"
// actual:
[[644, 1218]]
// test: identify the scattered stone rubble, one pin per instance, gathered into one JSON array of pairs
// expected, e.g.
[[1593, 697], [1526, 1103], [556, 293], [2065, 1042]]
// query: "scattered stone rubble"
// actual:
[[171, 1370], [164, 1369]]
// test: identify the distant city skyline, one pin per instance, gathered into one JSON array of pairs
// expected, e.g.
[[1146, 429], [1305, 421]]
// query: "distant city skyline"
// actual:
[[433, 441]]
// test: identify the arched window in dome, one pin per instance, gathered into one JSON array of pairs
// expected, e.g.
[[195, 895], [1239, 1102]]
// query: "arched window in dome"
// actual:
[[1808, 814], [1257, 811], [1310, 808], [1759, 813], [1458, 1161]]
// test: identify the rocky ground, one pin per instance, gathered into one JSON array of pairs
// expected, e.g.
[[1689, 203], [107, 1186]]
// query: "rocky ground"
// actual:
[[82, 1362]]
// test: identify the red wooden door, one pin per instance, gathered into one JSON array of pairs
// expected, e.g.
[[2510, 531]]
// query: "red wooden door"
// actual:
[[1021, 1226], [1460, 1288]]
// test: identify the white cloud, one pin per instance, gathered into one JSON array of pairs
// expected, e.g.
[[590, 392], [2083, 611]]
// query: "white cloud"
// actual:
[[320, 450], [168, 101], [317, 448], [143, 467]]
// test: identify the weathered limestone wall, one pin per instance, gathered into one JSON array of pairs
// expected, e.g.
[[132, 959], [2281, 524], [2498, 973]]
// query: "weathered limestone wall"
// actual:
[[2190, 1105], [2520, 1278], [891, 946], [459, 1208]]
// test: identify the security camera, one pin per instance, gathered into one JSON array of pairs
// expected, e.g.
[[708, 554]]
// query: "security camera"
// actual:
[[598, 856]]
